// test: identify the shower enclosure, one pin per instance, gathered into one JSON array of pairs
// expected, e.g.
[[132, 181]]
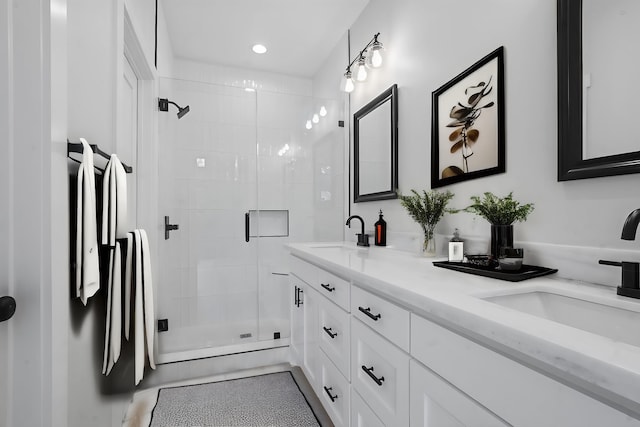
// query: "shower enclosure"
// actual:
[[240, 175]]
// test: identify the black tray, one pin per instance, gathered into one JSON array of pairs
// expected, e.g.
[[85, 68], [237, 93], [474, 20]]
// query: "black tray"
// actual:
[[525, 272]]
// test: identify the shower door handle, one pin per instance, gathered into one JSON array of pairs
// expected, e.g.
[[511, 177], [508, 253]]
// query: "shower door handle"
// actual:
[[169, 227], [246, 227]]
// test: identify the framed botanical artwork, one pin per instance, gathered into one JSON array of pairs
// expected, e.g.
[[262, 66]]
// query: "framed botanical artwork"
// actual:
[[467, 124]]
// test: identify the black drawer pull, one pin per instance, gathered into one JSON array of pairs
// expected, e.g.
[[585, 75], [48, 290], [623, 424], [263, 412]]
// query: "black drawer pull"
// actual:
[[328, 287], [369, 372], [329, 332], [367, 311], [328, 390], [298, 300]]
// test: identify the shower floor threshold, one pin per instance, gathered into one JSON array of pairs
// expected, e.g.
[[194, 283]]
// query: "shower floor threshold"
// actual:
[[203, 353]]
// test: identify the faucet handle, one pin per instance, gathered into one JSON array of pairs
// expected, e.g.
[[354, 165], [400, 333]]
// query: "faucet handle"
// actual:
[[630, 277]]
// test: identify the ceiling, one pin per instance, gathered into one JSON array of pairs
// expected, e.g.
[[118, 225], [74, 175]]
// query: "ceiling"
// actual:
[[299, 34]]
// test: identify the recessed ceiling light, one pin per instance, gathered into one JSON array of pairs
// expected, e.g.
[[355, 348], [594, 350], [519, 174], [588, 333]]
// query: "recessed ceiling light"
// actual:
[[259, 48]]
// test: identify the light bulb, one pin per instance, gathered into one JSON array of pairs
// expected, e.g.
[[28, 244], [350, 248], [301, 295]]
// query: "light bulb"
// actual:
[[308, 125], [361, 75], [315, 118], [374, 58], [323, 111], [347, 82]]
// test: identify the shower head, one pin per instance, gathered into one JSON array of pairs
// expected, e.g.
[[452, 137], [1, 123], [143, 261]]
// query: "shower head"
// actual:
[[163, 105], [182, 111]]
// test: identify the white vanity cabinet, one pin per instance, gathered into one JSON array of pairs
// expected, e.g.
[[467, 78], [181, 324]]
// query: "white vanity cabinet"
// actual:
[[389, 353], [324, 323], [517, 394]]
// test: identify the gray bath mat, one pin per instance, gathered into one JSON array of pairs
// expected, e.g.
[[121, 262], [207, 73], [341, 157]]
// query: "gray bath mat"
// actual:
[[266, 400]]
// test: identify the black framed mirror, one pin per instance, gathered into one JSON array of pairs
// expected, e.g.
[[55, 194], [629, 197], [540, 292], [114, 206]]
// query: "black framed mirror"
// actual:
[[574, 158], [375, 148]]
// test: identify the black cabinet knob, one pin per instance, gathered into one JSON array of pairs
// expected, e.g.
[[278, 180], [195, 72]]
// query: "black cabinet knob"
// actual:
[[7, 308]]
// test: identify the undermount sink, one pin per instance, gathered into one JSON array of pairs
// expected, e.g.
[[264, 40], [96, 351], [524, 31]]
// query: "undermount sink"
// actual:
[[616, 323]]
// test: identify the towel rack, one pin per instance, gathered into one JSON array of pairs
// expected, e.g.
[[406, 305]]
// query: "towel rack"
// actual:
[[78, 148]]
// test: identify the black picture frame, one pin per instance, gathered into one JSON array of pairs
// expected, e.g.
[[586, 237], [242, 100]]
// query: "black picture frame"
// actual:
[[391, 192], [571, 164], [468, 117]]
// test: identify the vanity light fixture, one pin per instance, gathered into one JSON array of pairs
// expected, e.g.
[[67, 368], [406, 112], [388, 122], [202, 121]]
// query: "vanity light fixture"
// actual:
[[370, 56]]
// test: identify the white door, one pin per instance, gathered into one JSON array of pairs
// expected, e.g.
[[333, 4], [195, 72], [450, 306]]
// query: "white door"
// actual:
[[25, 209], [5, 226], [127, 142]]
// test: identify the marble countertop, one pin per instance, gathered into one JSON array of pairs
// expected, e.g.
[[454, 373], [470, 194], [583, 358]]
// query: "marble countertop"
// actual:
[[604, 368]]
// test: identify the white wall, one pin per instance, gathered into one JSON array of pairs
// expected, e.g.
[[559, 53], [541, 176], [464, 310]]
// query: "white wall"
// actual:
[[331, 148], [95, 31], [430, 42]]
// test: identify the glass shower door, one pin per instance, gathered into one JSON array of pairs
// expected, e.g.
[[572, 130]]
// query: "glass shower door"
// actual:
[[208, 273]]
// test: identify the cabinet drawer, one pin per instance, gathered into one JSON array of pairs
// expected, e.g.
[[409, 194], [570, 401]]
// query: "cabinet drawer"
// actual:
[[335, 337], [380, 373], [334, 392], [361, 414], [519, 395], [436, 403], [333, 287], [304, 270], [386, 318]]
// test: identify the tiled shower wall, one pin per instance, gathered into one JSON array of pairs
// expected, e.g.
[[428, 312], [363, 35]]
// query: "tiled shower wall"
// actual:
[[237, 151]]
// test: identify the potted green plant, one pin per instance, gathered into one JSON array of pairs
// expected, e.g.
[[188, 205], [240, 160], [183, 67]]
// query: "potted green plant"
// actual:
[[427, 209], [501, 214]]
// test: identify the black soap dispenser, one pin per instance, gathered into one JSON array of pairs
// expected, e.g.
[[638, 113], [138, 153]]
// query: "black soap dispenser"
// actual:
[[380, 232]]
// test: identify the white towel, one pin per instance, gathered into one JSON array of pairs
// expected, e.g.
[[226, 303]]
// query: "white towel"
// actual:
[[113, 326], [144, 316], [149, 315], [128, 272], [87, 260], [106, 203], [114, 202], [139, 309], [116, 306], [121, 198], [106, 359]]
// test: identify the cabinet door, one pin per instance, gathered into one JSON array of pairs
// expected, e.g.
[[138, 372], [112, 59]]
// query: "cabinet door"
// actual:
[[361, 414], [436, 403], [335, 336], [334, 392], [297, 320], [380, 374], [311, 361]]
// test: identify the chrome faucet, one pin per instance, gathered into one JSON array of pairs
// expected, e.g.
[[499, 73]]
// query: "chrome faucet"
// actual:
[[630, 270], [363, 239]]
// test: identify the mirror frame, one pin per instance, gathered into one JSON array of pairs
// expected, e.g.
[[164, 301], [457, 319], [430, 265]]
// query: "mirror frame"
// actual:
[[391, 95], [571, 164]]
